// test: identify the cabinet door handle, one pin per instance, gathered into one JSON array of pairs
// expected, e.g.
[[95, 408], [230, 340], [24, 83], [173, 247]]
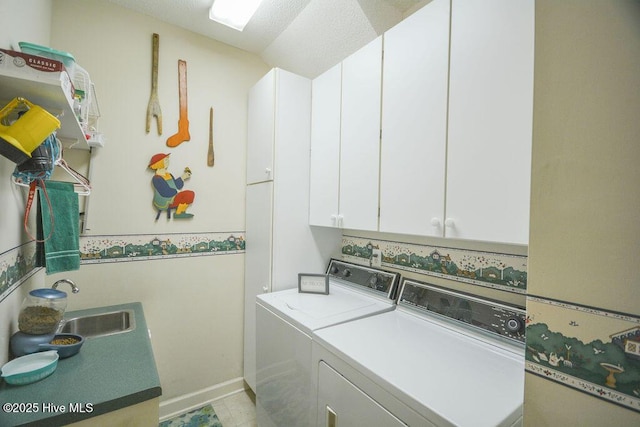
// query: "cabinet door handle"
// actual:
[[340, 219], [332, 417], [265, 289], [449, 222], [436, 222], [267, 171]]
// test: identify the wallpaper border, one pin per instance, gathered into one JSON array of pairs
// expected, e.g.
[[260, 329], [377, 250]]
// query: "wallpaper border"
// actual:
[[18, 264], [143, 247], [585, 348], [495, 270]]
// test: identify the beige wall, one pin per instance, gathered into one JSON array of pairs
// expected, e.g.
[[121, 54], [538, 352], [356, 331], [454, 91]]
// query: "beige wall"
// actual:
[[116, 50], [585, 233], [24, 20], [193, 306]]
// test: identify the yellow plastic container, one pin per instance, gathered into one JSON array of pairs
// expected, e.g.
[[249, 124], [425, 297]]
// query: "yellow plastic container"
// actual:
[[23, 127]]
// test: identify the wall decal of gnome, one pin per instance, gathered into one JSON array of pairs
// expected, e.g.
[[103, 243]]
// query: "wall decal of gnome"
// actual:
[[167, 189]]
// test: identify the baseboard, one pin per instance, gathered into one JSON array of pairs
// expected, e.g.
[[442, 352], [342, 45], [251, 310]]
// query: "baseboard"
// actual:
[[178, 405]]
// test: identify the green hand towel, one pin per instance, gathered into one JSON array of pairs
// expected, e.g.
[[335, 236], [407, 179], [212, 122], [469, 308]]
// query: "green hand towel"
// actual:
[[61, 252]]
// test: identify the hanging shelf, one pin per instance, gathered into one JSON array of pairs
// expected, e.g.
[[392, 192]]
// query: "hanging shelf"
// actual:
[[52, 91]]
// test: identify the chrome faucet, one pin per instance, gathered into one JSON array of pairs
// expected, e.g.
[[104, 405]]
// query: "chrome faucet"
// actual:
[[74, 288]]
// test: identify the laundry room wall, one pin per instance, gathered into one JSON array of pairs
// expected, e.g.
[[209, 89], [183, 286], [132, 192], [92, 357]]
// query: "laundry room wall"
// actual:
[[583, 333], [18, 20], [188, 273]]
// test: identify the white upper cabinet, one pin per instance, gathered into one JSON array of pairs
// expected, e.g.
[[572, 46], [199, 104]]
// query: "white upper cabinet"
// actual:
[[325, 148], [414, 122], [345, 142], [360, 137], [490, 120], [260, 134], [455, 101]]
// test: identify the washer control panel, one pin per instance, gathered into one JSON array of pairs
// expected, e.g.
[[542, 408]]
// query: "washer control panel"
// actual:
[[368, 278], [485, 314]]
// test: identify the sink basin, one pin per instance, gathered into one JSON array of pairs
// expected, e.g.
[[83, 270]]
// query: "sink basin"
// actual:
[[98, 325]]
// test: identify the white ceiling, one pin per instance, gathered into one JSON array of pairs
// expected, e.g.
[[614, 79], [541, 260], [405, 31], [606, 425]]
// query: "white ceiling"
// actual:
[[306, 37]]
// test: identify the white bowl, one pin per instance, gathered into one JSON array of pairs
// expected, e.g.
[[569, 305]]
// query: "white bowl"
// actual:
[[30, 368]]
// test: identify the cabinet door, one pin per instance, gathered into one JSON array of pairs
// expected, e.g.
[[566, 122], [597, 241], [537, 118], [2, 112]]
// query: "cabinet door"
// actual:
[[360, 137], [490, 120], [257, 274], [260, 130], [341, 403], [325, 148], [414, 122]]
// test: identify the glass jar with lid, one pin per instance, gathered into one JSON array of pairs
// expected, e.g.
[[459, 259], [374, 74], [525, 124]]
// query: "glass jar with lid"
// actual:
[[41, 311]]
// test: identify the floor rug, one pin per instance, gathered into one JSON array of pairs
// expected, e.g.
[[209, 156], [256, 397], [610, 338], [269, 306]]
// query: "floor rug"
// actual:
[[203, 417]]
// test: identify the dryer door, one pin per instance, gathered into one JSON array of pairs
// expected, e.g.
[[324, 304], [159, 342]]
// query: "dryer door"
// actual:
[[342, 404]]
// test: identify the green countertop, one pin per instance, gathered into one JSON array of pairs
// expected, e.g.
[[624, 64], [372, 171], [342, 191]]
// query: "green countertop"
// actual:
[[109, 373]]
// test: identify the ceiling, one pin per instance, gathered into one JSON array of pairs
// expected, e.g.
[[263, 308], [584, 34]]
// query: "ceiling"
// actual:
[[306, 37]]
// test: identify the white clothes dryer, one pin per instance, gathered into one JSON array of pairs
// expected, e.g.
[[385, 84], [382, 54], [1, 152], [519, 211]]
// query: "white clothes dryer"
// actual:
[[441, 358], [285, 321]]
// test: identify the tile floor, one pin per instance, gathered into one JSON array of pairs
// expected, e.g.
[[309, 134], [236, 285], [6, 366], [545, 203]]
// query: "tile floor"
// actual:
[[237, 410]]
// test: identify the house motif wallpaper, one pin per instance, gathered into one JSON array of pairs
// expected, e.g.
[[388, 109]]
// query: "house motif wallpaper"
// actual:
[[97, 249], [589, 349], [495, 270], [18, 264]]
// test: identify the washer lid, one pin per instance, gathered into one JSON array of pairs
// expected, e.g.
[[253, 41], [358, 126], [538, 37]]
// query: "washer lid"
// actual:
[[446, 376], [313, 311]]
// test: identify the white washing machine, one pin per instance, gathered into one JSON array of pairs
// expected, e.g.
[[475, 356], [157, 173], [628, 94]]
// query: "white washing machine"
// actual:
[[441, 358], [285, 321]]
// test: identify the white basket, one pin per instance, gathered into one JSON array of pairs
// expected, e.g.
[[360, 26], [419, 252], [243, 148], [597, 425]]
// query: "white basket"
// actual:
[[83, 87]]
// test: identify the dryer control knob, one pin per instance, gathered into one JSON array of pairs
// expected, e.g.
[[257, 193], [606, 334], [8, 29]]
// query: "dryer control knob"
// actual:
[[346, 272], [374, 281], [514, 324]]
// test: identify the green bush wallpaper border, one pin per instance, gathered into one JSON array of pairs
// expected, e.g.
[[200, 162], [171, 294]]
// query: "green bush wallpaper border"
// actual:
[[18, 264], [489, 269], [589, 349]]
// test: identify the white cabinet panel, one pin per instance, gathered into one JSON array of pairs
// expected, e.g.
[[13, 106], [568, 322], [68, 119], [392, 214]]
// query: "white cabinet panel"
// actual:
[[280, 242], [260, 133], [283, 384], [325, 148], [257, 273], [345, 150], [296, 248], [414, 122], [490, 120], [341, 403], [360, 137]]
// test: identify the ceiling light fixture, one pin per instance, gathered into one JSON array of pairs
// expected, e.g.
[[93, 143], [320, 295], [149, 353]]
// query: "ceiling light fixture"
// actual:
[[233, 13]]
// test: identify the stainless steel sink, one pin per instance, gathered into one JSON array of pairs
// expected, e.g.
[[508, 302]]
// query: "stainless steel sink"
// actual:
[[98, 325]]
